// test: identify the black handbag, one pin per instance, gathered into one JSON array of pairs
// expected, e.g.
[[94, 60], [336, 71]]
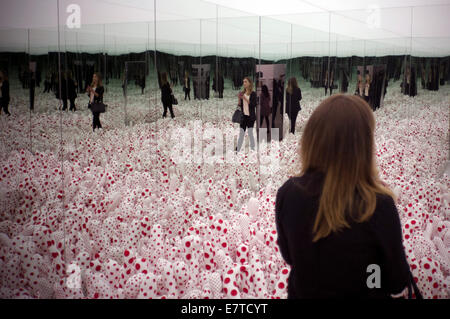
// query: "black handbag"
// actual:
[[237, 116], [98, 108], [174, 100]]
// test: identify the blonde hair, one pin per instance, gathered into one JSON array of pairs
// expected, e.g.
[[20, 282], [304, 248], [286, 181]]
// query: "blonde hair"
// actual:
[[338, 141], [250, 88], [99, 79]]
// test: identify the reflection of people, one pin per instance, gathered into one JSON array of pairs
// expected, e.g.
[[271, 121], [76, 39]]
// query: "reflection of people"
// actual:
[[4, 93], [265, 106], [349, 219], [359, 84], [293, 98], [187, 86], [71, 91], [367, 82], [166, 95], [95, 92], [247, 102], [329, 81], [47, 84]]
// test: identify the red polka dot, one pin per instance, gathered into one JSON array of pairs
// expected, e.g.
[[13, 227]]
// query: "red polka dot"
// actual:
[[234, 292]]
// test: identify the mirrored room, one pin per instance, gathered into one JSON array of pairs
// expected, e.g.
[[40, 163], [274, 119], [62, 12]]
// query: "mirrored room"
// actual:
[[171, 149]]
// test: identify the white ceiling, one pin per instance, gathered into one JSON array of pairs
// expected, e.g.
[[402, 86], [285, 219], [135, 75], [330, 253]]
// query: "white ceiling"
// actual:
[[319, 27]]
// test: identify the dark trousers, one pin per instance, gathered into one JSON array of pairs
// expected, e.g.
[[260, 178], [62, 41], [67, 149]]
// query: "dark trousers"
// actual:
[[221, 96], [31, 98], [96, 121], [266, 117], [331, 90], [293, 118], [4, 106], [64, 104], [274, 114], [46, 87], [246, 123], [170, 109], [72, 105], [187, 94]]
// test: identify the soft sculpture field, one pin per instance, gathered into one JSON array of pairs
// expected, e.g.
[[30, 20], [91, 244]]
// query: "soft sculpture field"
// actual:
[[118, 213]]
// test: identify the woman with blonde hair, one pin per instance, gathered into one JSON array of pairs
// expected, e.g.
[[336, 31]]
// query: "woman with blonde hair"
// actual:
[[95, 93], [247, 103], [337, 221]]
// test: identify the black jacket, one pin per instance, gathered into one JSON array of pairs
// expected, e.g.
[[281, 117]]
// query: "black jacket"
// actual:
[[5, 92], [336, 266], [251, 106], [99, 90], [293, 101], [166, 93]]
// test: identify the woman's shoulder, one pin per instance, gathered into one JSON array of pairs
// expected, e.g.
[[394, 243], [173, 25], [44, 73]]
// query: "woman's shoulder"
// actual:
[[307, 184]]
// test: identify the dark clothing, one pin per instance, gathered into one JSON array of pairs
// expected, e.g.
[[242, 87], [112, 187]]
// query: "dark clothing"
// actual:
[[4, 100], [168, 106], [187, 94], [293, 101], [293, 118], [336, 266], [293, 106], [187, 89], [5, 91], [265, 105], [246, 123], [97, 99], [96, 121], [251, 107], [166, 94], [166, 99]]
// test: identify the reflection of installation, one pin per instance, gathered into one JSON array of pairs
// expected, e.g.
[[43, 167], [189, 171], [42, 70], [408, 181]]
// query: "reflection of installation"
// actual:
[[200, 79], [273, 76], [137, 65], [371, 84]]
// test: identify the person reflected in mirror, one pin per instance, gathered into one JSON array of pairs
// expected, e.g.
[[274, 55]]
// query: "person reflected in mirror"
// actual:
[[95, 92], [142, 82], [293, 98], [71, 91], [264, 100], [247, 103], [348, 221], [61, 91], [187, 86], [220, 85], [368, 81], [4, 93], [359, 84], [166, 95], [47, 84]]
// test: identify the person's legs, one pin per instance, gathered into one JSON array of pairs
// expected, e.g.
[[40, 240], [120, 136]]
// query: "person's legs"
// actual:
[[251, 137], [165, 110], [99, 124], [331, 90], [274, 114], [243, 127], [326, 90], [185, 94], [293, 121], [72, 105], [267, 122], [171, 111], [64, 104]]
